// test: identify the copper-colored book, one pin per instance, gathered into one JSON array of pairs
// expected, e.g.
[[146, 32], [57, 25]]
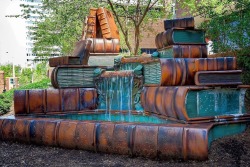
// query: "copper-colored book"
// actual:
[[74, 76], [218, 78], [65, 60], [104, 46], [216, 64], [80, 55], [172, 140], [91, 23], [107, 24], [187, 22], [196, 103], [184, 51], [44, 101], [180, 36], [181, 71]]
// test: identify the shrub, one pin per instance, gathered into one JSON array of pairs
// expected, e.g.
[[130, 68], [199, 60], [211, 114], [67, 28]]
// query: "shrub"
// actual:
[[7, 97]]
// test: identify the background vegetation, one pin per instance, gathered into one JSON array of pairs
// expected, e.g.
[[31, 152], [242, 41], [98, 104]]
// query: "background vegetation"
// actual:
[[28, 79], [61, 22], [7, 97], [227, 25], [26, 75]]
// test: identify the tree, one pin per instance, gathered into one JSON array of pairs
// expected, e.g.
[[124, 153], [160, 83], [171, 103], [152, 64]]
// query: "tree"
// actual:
[[60, 24], [8, 70], [134, 15], [228, 26], [25, 77], [40, 72]]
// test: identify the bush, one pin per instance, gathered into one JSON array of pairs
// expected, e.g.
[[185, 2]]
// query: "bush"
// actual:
[[7, 97], [243, 61]]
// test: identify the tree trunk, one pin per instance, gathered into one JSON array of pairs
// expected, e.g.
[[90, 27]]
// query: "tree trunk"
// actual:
[[137, 40]]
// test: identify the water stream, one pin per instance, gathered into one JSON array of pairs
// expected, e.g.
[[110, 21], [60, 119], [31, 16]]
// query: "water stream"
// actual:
[[216, 102], [115, 93]]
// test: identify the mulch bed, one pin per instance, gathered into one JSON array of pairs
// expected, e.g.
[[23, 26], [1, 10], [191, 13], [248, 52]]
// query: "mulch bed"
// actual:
[[229, 151]]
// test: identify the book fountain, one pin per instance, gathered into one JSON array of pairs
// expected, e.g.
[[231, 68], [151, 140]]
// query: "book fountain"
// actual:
[[169, 105]]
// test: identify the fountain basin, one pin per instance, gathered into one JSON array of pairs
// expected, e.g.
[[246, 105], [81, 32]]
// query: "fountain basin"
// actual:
[[166, 140]]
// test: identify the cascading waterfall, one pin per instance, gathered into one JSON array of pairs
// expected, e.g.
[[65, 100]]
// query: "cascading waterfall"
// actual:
[[116, 92], [216, 102]]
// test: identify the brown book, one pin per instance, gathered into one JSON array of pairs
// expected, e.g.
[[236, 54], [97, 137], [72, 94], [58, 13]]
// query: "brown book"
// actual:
[[104, 46], [180, 36], [187, 22], [172, 140], [74, 76], [80, 55], [218, 78], [91, 24], [184, 51], [43, 101], [181, 71], [216, 64], [196, 104], [107, 24], [65, 60]]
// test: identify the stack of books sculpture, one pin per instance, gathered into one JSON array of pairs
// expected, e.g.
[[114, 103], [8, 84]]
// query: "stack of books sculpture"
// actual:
[[168, 105], [181, 40], [183, 84], [101, 37]]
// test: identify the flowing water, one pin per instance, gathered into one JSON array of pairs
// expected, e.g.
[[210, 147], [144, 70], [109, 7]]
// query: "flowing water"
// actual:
[[115, 93], [216, 102]]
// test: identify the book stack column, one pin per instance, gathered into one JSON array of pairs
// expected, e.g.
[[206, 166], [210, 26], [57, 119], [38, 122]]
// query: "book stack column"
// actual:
[[72, 77], [184, 85], [181, 40]]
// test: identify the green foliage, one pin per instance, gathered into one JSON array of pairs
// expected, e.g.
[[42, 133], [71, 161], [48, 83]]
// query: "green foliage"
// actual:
[[228, 27], [7, 97], [60, 25], [8, 70], [135, 17], [61, 22], [40, 72], [25, 77], [243, 60]]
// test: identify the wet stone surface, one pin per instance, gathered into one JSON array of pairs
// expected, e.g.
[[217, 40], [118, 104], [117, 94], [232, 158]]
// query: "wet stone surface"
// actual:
[[229, 151]]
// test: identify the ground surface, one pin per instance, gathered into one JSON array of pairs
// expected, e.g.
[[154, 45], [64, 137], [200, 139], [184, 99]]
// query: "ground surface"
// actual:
[[229, 151]]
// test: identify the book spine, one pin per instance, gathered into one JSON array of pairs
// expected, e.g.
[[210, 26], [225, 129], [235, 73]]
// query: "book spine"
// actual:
[[189, 51], [54, 82], [184, 51], [91, 24], [125, 138], [158, 41], [187, 23], [178, 36], [173, 72], [107, 24], [169, 102], [54, 100], [101, 45], [181, 71], [56, 61], [216, 64], [167, 38]]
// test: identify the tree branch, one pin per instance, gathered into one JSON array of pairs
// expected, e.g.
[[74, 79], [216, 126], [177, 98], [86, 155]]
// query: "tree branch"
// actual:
[[146, 10]]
